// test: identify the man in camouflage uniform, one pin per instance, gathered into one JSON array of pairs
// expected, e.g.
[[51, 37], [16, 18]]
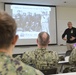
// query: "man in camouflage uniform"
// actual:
[[8, 38], [72, 58], [72, 62], [41, 58]]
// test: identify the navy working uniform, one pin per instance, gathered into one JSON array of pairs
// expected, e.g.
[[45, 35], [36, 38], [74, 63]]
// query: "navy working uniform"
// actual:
[[11, 66], [41, 58]]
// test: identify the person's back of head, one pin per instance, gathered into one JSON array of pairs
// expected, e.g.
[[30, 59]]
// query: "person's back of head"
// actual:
[[7, 30], [43, 39]]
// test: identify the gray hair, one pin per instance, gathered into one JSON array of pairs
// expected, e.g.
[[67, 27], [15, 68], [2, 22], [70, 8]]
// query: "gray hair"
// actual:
[[43, 41]]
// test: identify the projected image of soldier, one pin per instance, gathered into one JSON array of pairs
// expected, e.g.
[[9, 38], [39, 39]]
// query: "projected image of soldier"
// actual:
[[36, 22], [18, 18], [27, 27], [28, 21]]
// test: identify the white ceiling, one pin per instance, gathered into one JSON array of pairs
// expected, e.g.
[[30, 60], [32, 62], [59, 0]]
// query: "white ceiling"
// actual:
[[45, 2]]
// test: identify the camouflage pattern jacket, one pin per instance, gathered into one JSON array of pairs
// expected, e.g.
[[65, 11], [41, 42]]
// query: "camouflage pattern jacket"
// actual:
[[41, 58], [10, 66], [72, 58]]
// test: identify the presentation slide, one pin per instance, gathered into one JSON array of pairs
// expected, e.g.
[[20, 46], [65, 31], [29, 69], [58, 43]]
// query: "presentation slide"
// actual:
[[31, 20]]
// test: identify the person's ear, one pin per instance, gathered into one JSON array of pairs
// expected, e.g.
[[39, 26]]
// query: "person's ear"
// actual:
[[15, 40], [48, 41]]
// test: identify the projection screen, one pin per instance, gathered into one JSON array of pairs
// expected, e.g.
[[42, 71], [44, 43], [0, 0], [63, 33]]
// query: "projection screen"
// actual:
[[32, 19]]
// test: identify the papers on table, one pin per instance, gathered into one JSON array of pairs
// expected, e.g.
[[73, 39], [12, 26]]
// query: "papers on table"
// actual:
[[65, 61]]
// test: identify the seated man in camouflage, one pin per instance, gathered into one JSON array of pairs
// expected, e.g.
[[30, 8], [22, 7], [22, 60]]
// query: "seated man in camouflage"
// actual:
[[72, 62], [41, 58], [8, 38], [72, 58]]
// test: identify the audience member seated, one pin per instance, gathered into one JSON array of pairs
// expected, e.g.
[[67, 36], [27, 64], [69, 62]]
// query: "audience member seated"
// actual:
[[72, 62], [41, 58], [8, 38], [72, 58]]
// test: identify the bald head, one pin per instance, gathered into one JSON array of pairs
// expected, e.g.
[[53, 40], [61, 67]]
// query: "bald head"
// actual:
[[43, 38], [69, 25]]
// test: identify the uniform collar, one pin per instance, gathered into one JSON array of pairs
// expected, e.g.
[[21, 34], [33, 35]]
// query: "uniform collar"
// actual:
[[4, 54], [42, 49]]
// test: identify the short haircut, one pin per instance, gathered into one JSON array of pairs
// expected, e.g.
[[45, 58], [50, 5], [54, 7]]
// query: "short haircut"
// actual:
[[7, 29], [43, 41], [69, 22]]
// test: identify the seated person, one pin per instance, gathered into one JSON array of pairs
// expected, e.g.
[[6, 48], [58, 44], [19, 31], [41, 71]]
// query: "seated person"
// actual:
[[41, 58], [72, 61], [8, 38], [72, 58]]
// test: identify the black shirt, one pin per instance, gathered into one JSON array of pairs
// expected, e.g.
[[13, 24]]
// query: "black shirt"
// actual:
[[70, 32]]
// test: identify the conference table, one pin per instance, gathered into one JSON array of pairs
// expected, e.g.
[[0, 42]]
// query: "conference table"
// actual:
[[66, 61]]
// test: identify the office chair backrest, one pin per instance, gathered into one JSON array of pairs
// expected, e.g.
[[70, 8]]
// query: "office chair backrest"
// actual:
[[68, 53], [49, 71]]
